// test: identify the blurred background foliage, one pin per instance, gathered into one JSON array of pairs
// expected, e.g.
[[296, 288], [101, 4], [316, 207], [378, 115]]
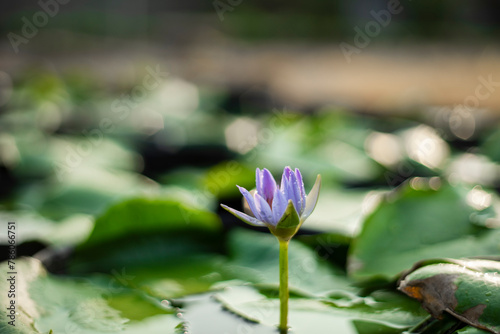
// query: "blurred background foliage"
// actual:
[[120, 137], [318, 20]]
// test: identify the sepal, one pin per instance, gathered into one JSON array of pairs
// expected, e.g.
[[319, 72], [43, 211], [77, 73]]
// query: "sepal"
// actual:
[[288, 224]]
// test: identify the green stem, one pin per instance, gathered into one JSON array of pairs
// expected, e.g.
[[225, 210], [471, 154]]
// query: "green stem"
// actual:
[[283, 286]]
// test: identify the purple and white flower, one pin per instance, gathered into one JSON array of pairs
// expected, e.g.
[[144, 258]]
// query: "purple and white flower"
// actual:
[[278, 207]]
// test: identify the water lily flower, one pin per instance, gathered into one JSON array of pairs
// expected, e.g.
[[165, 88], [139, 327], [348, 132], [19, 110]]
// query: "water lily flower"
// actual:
[[281, 208]]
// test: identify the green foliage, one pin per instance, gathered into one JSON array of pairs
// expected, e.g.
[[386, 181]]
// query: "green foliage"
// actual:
[[149, 216], [65, 305], [415, 224], [131, 225], [321, 315]]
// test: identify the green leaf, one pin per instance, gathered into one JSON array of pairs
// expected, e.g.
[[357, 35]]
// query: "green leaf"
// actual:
[[490, 146], [68, 305], [221, 179], [30, 227], [27, 270], [311, 144], [319, 315], [65, 157], [340, 211], [471, 330], [133, 304], [204, 314], [178, 277], [467, 289], [166, 248], [142, 216], [414, 224], [84, 190]]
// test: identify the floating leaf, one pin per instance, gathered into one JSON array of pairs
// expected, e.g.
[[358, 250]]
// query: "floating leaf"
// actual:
[[350, 208], [27, 270], [164, 247], [467, 289], [415, 223], [490, 146], [203, 314], [471, 330], [331, 144], [33, 227], [149, 216], [221, 178], [319, 315], [67, 305]]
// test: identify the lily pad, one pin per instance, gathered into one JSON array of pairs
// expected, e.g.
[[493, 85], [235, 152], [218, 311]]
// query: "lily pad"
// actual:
[[32, 227], [471, 330], [318, 315], [467, 289], [149, 216], [415, 223], [47, 303], [330, 144], [164, 248]]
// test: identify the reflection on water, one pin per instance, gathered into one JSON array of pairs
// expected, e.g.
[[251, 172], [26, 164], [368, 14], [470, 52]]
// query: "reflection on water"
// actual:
[[205, 316]]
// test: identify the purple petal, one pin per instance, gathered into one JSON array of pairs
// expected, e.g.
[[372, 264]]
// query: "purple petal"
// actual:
[[302, 191], [258, 180], [279, 205], [312, 199], [292, 192], [264, 211], [243, 216], [268, 186], [285, 178], [250, 201]]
